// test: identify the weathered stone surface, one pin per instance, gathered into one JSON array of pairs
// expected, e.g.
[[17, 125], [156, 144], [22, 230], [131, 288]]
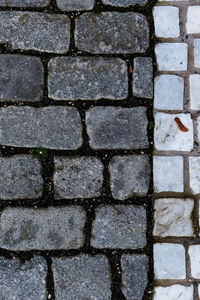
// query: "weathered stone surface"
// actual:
[[173, 217], [134, 275], [194, 174], [51, 127], [112, 32], [24, 3], [194, 254], [35, 31], [20, 177], [24, 229], [77, 177], [130, 176], [119, 226], [23, 280], [21, 78], [143, 77], [176, 292], [124, 3], [117, 127], [70, 5], [87, 78], [82, 277]]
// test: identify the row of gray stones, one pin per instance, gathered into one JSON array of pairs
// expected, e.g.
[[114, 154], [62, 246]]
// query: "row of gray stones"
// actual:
[[79, 277], [74, 177], [73, 78]]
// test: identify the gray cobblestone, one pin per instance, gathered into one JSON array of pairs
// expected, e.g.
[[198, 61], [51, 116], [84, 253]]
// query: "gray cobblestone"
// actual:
[[112, 32], [23, 280], [117, 127], [21, 78], [120, 227], [143, 77], [35, 31], [134, 276], [50, 127], [71, 5], [130, 176], [78, 177], [87, 78], [53, 228], [124, 3], [20, 177], [24, 3], [82, 277]]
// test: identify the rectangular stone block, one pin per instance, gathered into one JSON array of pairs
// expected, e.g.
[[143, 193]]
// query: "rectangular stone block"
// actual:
[[117, 128], [35, 31], [112, 32], [21, 78], [176, 291], [53, 127], [87, 78], [124, 3], [20, 177], [52, 228], [79, 5], [24, 3]]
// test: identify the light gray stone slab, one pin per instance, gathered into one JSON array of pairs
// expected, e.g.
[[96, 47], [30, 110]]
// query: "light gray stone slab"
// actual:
[[54, 127], [87, 78], [21, 78], [176, 291], [129, 176], [52, 228], [194, 174], [70, 5], [112, 32], [35, 31], [194, 254], [124, 3], [24, 3], [117, 128], [134, 275], [20, 177], [119, 226], [77, 177], [82, 277], [23, 280]]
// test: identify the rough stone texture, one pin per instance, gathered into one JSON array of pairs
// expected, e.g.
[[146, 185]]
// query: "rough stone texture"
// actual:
[[87, 78], [134, 276], [173, 217], [78, 177], [175, 292], [124, 3], [52, 228], [143, 77], [117, 127], [193, 20], [21, 78], [24, 3], [194, 254], [129, 176], [112, 32], [20, 177], [82, 277], [120, 227], [35, 31], [70, 5], [23, 280], [194, 174], [51, 127]]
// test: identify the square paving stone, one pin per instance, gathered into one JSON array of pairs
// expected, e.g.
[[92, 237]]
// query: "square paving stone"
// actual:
[[70, 5], [194, 254], [134, 275], [194, 174], [20, 177], [77, 177], [173, 217], [194, 91], [25, 281], [117, 128], [52, 228], [193, 19], [21, 78], [130, 176], [124, 3], [176, 292], [119, 226], [24, 3], [82, 277], [197, 53]]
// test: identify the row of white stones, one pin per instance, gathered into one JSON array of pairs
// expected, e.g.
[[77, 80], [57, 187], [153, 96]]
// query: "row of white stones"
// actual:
[[177, 140]]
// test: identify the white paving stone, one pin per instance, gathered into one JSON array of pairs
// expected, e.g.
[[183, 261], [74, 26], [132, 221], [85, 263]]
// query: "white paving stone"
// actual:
[[174, 292], [168, 174], [169, 91], [194, 173], [195, 91], [197, 53], [167, 134], [194, 254], [193, 19], [198, 127], [166, 21], [172, 217], [169, 261], [171, 56]]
